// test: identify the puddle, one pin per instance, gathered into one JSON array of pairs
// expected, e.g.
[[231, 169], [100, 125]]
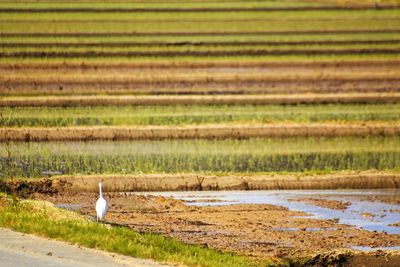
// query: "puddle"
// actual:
[[380, 214], [365, 248]]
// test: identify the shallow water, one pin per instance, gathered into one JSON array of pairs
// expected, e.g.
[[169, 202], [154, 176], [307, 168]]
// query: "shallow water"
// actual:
[[380, 215], [364, 248]]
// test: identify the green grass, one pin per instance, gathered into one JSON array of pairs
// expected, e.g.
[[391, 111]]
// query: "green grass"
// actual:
[[198, 39], [106, 27], [202, 48], [106, 5], [189, 115], [152, 16], [45, 220], [173, 156]]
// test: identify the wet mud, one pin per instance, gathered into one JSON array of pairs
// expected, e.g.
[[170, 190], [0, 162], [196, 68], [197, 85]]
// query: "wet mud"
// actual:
[[260, 231]]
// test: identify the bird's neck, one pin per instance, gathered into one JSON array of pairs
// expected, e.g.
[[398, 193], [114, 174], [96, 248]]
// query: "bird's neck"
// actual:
[[101, 192]]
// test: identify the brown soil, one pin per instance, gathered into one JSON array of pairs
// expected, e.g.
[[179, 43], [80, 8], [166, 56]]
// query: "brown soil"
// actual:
[[188, 33], [194, 132], [385, 199], [194, 53], [229, 76], [269, 79], [201, 100], [243, 229], [198, 9], [234, 81], [192, 181], [369, 64], [198, 88], [326, 203]]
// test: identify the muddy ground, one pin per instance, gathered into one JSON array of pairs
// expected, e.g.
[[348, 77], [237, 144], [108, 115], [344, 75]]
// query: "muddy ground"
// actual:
[[258, 231]]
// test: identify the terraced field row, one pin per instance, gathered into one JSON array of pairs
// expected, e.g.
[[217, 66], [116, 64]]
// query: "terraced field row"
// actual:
[[70, 61], [203, 78], [238, 131], [162, 100], [85, 115], [203, 156]]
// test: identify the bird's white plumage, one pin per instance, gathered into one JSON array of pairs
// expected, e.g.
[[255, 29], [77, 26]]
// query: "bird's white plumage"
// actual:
[[101, 205]]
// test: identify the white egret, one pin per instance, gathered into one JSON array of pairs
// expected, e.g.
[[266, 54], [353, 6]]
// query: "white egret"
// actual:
[[101, 205]]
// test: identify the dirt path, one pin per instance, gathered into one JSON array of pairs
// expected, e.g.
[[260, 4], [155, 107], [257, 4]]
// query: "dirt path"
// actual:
[[18, 249]]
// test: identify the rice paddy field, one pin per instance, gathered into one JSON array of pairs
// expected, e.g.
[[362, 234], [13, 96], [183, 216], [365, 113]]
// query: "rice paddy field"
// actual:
[[221, 88]]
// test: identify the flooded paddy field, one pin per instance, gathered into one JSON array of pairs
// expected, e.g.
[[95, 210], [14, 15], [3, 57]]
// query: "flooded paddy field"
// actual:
[[362, 209], [288, 224]]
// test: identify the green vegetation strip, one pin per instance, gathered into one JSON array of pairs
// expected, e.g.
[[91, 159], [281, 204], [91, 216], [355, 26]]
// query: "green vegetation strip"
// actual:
[[57, 44], [177, 156], [193, 115], [169, 9], [182, 39], [197, 44], [107, 5], [284, 59], [199, 27], [44, 219], [146, 17]]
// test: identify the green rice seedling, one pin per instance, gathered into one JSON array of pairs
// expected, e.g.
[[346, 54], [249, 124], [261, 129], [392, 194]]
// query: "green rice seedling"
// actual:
[[199, 114], [252, 155]]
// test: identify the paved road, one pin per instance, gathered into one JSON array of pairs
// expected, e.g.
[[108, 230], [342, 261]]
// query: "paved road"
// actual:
[[22, 250]]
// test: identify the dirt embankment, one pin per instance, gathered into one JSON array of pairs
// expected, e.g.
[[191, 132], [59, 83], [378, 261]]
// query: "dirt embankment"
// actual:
[[107, 66], [188, 182], [193, 33], [194, 53], [365, 83], [218, 78], [197, 9], [194, 132]]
